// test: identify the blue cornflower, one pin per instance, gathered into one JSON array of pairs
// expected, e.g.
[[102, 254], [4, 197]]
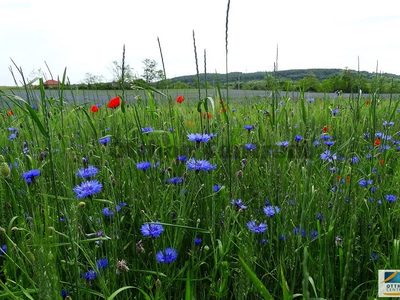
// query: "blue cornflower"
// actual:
[[316, 143], [197, 241], [108, 212], [354, 159], [87, 189], [90, 171], [30, 175], [327, 156], [298, 138], [250, 147], [310, 100], [325, 137], [238, 203], [181, 157], [216, 188], [256, 228], [200, 165], [174, 180], [3, 250], [366, 135], [248, 127], [153, 230], [335, 112], [282, 144], [12, 137], [147, 129], [378, 134], [234, 110], [105, 140], [319, 216], [314, 234], [368, 156], [90, 275], [168, 256], [365, 183], [270, 210], [12, 129], [390, 198], [374, 256], [144, 165], [329, 143], [102, 263], [64, 293], [197, 137], [122, 204]]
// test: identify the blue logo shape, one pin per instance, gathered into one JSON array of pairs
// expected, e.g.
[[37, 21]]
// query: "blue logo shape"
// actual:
[[392, 277]]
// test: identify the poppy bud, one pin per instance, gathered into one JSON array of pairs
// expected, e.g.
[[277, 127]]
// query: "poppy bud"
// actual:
[[81, 204]]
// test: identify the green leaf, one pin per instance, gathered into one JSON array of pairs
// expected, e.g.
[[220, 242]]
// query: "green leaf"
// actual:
[[113, 295], [257, 282]]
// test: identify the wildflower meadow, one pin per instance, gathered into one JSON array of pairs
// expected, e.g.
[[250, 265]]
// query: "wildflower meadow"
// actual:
[[272, 197], [160, 196]]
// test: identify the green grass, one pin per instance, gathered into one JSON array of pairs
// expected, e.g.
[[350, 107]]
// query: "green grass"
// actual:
[[53, 238]]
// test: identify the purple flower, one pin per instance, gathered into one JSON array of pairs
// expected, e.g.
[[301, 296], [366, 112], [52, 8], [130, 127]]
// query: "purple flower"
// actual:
[[12, 137], [354, 159], [216, 188], [87, 189], [197, 137], [200, 165], [144, 165], [256, 228], [90, 275], [270, 210], [3, 250], [314, 234], [108, 212], [168, 256], [298, 138], [147, 129], [365, 183], [238, 204], [102, 263], [250, 147], [248, 127], [325, 137], [390, 198], [30, 175], [90, 171], [197, 241], [153, 230], [174, 180], [327, 156], [282, 144], [181, 157], [105, 140]]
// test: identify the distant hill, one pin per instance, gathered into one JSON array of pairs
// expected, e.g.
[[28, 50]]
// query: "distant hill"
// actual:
[[293, 75]]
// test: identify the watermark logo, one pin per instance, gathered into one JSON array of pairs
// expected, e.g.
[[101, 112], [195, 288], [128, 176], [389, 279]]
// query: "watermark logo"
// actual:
[[389, 283]]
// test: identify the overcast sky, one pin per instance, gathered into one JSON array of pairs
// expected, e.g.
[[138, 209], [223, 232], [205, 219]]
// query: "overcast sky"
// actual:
[[87, 36]]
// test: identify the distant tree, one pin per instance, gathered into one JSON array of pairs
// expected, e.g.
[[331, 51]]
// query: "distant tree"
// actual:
[[119, 76], [150, 72]]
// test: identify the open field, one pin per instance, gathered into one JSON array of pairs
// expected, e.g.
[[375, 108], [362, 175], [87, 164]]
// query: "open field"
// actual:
[[274, 196]]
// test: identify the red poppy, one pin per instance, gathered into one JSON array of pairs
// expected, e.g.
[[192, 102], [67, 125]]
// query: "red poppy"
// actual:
[[222, 109], [381, 162], [377, 142], [325, 128], [368, 102], [94, 109], [10, 113], [114, 103], [180, 99]]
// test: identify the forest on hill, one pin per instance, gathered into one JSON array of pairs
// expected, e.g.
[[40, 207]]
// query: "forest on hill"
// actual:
[[309, 80]]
